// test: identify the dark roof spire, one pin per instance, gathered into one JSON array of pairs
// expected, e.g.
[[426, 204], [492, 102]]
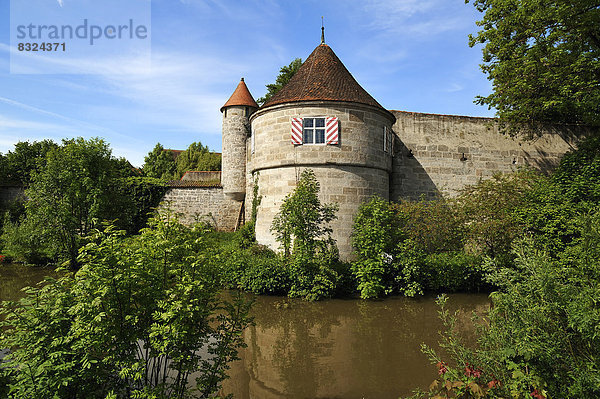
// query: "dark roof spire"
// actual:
[[322, 32]]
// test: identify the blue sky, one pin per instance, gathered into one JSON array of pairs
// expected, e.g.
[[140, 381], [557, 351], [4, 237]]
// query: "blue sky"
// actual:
[[410, 55]]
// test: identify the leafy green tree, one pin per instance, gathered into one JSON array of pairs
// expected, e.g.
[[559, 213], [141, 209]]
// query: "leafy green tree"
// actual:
[[543, 58], [197, 157], [285, 74], [376, 236], [69, 197], [301, 226], [490, 209], [18, 165], [160, 164], [302, 222], [540, 337], [142, 318]]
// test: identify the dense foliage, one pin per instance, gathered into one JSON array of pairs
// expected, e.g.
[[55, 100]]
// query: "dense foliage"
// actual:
[[142, 318], [18, 165], [285, 74], [412, 247], [167, 165], [301, 227], [540, 338], [160, 163], [71, 191], [543, 58]]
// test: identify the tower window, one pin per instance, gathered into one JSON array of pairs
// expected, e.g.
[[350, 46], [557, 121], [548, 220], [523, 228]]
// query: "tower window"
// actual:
[[319, 130], [313, 131]]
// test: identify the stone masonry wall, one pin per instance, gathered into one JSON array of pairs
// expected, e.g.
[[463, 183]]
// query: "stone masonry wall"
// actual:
[[203, 203], [349, 173], [347, 186], [441, 154]]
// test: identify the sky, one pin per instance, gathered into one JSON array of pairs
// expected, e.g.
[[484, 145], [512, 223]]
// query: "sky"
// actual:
[[410, 55]]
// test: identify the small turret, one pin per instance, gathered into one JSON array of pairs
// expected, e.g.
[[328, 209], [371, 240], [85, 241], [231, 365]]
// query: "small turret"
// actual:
[[236, 126]]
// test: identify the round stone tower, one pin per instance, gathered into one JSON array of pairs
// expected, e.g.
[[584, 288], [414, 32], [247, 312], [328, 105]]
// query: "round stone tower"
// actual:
[[236, 128], [322, 120]]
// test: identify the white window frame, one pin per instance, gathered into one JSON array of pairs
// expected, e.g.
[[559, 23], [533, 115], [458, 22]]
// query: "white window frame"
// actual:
[[314, 129]]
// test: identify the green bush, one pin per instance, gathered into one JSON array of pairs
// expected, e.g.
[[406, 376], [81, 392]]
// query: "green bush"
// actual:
[[453, 271], [22, 241], [254, 269], [135, 200], [542, 333], [490, 212], [433, 225], [376, 237], [139, 318], [302, 229]]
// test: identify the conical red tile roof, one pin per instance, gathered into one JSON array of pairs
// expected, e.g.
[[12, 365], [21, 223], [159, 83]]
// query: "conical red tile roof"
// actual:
[[241, 96], [323, 77]]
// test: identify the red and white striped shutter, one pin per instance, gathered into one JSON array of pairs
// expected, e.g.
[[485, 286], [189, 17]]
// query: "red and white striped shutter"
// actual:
[[296, 131], [331, 130]]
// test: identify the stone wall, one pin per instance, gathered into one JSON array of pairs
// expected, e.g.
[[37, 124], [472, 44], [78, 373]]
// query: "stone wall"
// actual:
[[347, 186], [441, 154], [349, 173], [10, 193], [203, 176], [203, 203]]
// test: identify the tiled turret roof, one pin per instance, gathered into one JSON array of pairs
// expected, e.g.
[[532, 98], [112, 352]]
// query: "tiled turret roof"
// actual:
[[322, 77], [241, 96]]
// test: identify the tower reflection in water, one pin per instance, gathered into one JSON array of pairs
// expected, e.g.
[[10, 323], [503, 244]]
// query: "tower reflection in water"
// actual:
[[342, 348]]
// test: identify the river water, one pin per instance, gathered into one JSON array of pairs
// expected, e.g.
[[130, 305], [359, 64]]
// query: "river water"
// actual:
[[328, 349]]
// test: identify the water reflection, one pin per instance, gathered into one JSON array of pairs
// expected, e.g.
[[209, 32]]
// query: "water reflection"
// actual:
[[330, 349], [15, 277], [341, 348]]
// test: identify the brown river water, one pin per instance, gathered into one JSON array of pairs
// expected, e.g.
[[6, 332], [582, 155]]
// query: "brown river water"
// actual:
[[329, 349]]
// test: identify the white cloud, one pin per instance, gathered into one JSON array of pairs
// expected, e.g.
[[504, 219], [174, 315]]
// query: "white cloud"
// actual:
[[60, 2], [418, 19], [70, 123]]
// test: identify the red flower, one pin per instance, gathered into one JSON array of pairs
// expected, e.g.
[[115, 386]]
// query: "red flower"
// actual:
[[493, 384], [472, 371], [442, 367], [537, 395]]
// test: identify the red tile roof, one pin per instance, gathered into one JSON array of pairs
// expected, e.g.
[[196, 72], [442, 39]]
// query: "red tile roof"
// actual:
[[322, 77], [241, 96]]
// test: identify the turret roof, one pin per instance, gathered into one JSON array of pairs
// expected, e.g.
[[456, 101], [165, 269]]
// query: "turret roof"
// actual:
[[322, 77], [241, 96]]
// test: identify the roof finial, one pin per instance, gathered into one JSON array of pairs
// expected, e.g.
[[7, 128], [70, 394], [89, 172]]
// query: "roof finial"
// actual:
[[322, 32]]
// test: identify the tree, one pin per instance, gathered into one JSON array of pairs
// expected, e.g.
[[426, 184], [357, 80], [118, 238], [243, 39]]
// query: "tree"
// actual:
[[285, 74], [197, 157], [301, 226], [143, 318], [164, 164], [75, 190], [160, 163], [543, 58], [302, 221], [17, 166]]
